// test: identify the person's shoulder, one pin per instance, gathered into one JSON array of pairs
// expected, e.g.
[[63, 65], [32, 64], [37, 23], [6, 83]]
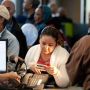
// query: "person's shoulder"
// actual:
[[35, 47], [85, 37], [62, 53], [9, 35], [61, 49]]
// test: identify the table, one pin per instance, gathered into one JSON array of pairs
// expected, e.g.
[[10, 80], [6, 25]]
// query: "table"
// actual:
[[69, 88]]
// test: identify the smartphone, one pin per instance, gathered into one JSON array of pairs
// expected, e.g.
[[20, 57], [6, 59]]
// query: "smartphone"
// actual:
[[41, 66]]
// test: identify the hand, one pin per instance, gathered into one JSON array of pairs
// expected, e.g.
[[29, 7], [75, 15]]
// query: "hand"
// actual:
[[14, 75], [36, 69], [52, 70], [41, 67]]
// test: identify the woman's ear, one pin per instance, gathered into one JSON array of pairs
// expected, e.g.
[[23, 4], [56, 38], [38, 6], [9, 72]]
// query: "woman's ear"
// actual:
[[60, 42]]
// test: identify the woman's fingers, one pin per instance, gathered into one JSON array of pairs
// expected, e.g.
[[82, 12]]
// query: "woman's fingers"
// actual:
[[38, 71], [51, 70]]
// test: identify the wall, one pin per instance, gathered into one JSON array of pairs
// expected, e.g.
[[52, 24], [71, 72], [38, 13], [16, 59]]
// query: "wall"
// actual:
[[72, 8]]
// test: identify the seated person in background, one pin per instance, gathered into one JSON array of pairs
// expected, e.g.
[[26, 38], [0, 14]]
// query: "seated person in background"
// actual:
[[54, 9], [66, 24], [63, 16], [29, 7], [38, 18], [39, 21], [13, 44], [49, 53], [14, 28], [78, 65]]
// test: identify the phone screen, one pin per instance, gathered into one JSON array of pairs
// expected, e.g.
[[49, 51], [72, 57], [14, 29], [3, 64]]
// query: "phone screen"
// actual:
[[41, 66]]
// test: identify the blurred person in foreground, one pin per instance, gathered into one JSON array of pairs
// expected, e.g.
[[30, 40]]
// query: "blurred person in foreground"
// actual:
[[78, 65]]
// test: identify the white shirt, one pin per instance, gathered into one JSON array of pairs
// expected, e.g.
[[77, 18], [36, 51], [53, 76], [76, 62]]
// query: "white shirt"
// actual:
[[55, 15], [58, 59]]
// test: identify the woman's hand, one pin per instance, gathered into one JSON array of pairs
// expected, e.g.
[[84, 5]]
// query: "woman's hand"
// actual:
[[35, 69], [52, 70]]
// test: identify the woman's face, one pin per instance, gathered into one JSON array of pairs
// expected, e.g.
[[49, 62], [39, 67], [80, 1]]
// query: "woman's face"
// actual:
[[47, 44], [38, 15]]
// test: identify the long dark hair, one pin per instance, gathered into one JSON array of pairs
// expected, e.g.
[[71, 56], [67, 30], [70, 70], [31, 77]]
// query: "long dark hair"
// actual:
[[53, 32]]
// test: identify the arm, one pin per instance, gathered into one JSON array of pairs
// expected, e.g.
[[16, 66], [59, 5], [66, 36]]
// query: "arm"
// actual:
[[31, 56], [28, 58], [4, 75], [61, 77], [13, 47], [11, 75], [58, 68]]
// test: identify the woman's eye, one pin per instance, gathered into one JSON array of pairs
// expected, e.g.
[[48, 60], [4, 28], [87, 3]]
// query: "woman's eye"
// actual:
[[50, 45]]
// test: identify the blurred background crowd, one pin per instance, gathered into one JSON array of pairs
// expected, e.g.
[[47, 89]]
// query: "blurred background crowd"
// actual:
[[28, 18]]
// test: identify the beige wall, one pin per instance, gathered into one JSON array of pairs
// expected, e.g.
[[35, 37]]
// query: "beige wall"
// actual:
[[73, 9]]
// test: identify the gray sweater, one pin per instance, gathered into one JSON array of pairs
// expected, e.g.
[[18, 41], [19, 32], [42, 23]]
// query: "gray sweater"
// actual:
[[13, 44]]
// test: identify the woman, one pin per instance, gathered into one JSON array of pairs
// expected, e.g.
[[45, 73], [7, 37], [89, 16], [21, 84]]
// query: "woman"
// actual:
[[38, 18], [51, 55]]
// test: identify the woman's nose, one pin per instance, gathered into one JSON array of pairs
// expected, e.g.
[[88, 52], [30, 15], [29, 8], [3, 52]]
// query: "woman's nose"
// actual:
[[46, 47]]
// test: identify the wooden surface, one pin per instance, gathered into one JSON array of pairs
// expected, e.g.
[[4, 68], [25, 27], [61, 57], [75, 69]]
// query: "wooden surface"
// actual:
[[70, 88]]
